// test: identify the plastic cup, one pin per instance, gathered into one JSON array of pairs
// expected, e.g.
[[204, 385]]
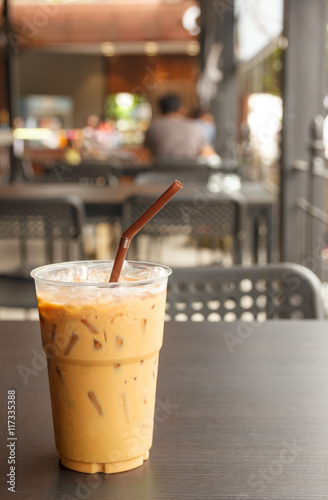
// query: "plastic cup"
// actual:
[[102, 342]]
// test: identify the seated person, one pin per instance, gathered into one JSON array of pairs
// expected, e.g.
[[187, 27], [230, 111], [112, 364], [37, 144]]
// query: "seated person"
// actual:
[[172, 135]]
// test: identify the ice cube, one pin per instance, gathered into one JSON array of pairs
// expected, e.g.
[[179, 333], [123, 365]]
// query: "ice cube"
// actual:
[[157, 272], [67, 275], [98, 276], [133, 272], [80, 272]]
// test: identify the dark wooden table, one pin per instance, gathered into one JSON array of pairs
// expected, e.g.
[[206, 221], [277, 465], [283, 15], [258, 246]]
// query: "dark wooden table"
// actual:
[[242, 413]]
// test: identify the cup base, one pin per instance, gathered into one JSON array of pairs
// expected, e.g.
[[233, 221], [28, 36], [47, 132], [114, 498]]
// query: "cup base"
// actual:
[[107, 468]]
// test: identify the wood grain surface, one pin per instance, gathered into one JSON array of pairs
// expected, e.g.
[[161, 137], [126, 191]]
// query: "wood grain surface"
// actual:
[[242, 413]]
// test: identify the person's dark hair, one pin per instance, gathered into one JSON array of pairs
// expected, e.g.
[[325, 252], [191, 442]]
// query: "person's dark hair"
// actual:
[[169, 103]]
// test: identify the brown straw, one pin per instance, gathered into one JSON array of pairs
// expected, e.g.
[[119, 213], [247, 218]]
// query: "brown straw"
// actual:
[[139, 224]]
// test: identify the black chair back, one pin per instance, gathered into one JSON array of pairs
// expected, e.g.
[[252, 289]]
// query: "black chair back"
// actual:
[[275, 291], [39, 232], [190, 215]]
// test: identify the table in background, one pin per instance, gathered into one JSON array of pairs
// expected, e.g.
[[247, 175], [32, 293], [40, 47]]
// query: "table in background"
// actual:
[[242, 413], [101, 203], [260, 204]]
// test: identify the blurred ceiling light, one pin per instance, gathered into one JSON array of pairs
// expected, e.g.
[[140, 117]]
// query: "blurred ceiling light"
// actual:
[[124, 99], [151, 48], [193, 48], [108, 49], [189, 20]]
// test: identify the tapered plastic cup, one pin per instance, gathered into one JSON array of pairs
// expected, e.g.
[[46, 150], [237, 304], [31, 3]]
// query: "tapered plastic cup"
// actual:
[[102, 342]]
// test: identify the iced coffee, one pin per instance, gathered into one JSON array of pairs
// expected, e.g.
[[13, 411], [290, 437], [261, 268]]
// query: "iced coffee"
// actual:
[[102, 342]]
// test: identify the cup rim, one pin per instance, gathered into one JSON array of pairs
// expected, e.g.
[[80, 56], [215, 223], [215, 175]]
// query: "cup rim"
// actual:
[[126, 284]]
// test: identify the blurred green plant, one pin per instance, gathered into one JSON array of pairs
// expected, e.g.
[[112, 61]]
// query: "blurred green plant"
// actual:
[[121, 106], [272, 73]]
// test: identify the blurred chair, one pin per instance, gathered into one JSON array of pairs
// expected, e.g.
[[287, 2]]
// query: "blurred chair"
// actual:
[[85, 173], [200, 218], [90, 173], [50, 229], [275, 291]]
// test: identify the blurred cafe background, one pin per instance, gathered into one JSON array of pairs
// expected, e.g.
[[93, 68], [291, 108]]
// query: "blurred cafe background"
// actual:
[[81, 83]]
